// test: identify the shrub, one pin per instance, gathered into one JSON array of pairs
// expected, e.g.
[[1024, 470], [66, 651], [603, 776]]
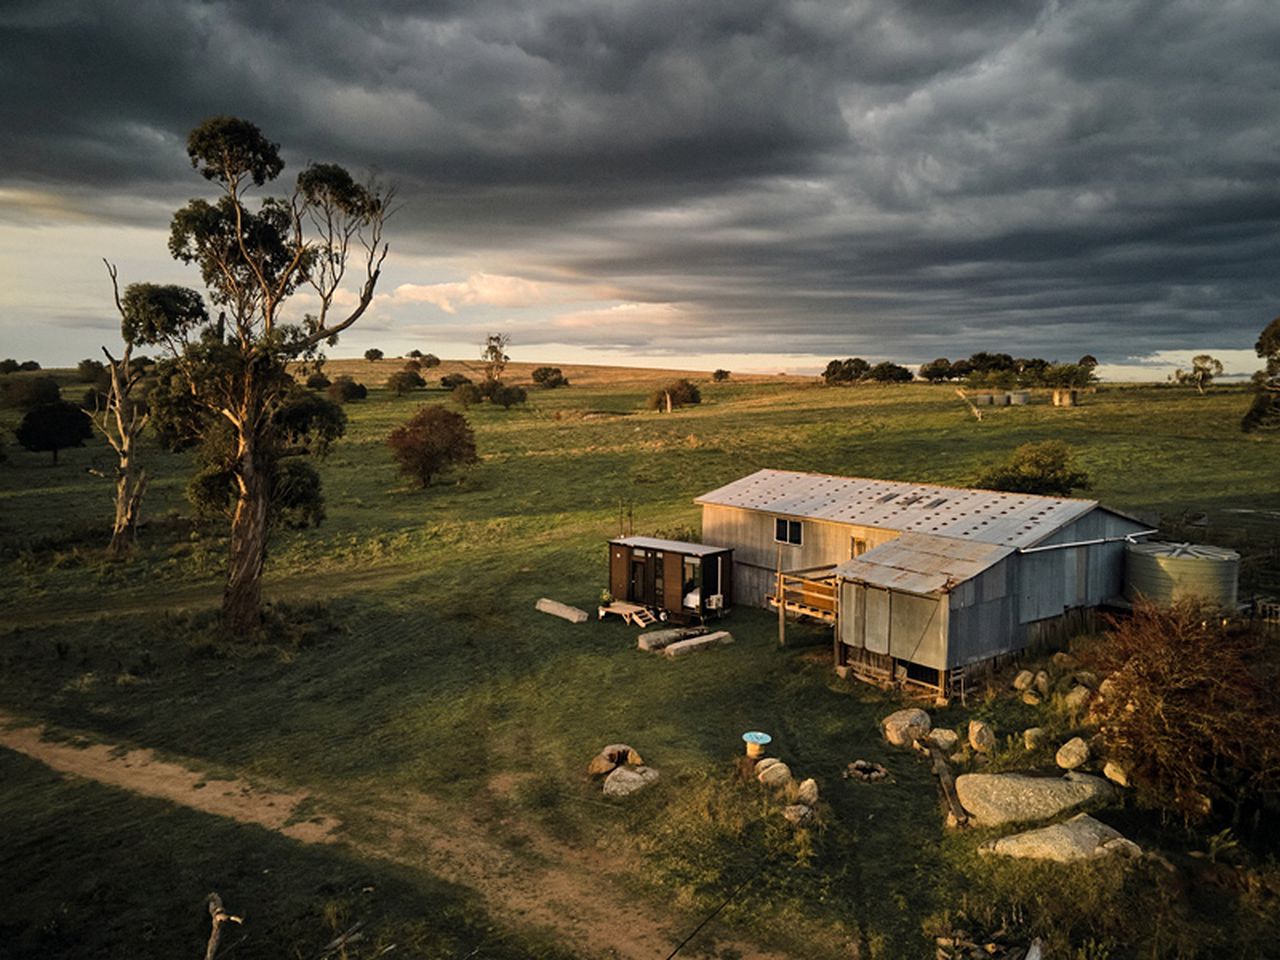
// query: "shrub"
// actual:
[[681, 393], [345, 390], [413, 366], [467, 394], [89, 370], [9, 365], [720, 376], [508, 396], [1044, 468], [550, 377], [53, 427], [94, 399], [29, 366], [433, 440], [1192, 709], [451, 381], [373, 353], [415, 354], [430, 360], [318, 381], [404, 382], [889, 373], [935, 371], [846, 371], [32, 393]]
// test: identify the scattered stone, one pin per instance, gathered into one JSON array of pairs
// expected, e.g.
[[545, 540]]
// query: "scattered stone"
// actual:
[[866, 771], [1116, 773], [798, 813], [1031, 698], [764, 763], [656, 640], [614, 755], [775, 775], [905, 727], [1072, 754], [1106, 689], [561, 610], [1032, 737], [1086, 678], [994, 799], [1080, 838], [1076, 699], [1064, 661], [807, 792], [944, 739], [624, 781], [981, 736], [694, 644], [1023, 680], [1043, 686]]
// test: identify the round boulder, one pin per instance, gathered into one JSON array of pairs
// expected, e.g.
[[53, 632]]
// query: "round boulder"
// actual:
[[944, 739], [1032, 737], [982, 737], [905, 727], [798, 813], [1116, 773], [624, 781], [1072, 754], [1023, 680], [1076, 699], [775, 775], [807, 792]]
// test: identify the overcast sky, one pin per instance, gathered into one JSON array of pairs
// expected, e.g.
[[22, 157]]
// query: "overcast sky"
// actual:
[[753, 183]]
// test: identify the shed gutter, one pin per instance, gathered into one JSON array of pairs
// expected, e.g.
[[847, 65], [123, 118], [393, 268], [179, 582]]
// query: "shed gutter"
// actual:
[[1127, 538]]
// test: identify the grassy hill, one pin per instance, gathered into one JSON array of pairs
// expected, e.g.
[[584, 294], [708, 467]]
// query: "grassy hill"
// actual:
[[412, 665]]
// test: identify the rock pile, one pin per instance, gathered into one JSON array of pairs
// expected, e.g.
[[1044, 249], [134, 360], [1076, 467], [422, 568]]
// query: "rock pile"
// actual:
[[623, 770]]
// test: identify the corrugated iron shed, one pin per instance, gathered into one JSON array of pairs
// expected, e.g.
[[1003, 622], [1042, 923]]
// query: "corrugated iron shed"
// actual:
[[921, 563], [984, 516]]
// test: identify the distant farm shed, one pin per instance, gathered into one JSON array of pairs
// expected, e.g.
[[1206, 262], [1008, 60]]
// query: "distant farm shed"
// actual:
[[919, 581]]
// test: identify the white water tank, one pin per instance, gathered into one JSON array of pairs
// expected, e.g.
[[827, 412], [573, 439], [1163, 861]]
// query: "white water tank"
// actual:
[[1167, 572]]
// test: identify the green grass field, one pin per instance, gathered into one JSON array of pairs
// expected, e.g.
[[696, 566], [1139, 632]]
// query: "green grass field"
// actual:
[[427, 672]]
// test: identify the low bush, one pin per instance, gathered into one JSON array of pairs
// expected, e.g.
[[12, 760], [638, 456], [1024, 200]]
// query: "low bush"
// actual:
[[679, 393], [318, 381], [30, 393], [406, 381], [550, 377], [451, 381], [467, 394], [433, 440], [345, 390]]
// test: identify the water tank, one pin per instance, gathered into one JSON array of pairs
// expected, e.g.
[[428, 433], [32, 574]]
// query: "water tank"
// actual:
[[1166, 572], [1019, 398]]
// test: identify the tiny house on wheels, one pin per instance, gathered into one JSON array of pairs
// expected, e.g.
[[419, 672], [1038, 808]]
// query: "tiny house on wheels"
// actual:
[[681, 581], [919, 582]]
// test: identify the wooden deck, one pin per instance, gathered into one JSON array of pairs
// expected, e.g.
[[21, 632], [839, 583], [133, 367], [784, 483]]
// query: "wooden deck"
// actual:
[[632, 613]]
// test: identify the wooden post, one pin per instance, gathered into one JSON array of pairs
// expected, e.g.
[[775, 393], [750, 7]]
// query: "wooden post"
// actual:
[[782, 602]]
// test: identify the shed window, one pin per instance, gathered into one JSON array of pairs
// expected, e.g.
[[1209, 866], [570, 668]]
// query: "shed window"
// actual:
[[787, 531]]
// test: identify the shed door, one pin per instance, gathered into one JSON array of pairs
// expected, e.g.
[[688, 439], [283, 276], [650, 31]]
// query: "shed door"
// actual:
[[876, 638], [619, 568]]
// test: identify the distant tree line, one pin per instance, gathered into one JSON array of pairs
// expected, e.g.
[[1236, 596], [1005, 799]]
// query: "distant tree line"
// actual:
[[857, 370], [1005, 371]]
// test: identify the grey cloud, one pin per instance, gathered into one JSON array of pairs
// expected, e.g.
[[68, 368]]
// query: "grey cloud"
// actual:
[[1043, 177]]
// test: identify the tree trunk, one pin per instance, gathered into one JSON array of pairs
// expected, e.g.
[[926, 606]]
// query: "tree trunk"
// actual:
[[242, 597], [131, 484]]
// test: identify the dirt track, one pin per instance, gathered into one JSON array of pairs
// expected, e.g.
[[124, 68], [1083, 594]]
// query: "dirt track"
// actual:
[[574, 893]]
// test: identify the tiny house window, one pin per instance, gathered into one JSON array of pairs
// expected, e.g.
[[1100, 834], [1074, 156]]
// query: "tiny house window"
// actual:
[[787, 531]]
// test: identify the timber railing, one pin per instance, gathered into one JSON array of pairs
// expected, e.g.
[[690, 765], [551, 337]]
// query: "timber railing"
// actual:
[[807, 593]]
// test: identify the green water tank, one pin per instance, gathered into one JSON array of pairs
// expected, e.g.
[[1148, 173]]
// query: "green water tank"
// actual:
[[1166, 572]]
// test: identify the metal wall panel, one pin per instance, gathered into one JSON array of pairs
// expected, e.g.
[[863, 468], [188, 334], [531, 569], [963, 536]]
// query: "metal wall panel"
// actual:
[[917, 629], [876, 634]]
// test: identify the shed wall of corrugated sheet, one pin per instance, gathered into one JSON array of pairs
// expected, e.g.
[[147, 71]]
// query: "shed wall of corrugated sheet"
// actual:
[[1055, 580], [891, 622], [750, 534], [983, 619]]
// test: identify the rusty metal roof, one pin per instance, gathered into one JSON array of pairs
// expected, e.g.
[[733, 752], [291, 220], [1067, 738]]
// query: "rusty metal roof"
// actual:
[[922, 563], [983, 516], [670, 546]]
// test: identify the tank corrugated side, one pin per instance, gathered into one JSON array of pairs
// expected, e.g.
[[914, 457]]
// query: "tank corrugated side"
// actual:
[[1167, 572]]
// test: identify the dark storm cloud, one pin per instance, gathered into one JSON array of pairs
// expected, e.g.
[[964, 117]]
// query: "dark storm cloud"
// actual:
[[917, 177]]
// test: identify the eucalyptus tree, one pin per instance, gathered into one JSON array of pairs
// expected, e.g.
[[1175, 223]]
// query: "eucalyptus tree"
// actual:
[[253, 258]]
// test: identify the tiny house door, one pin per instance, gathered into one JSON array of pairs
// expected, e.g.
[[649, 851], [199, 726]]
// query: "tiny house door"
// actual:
[[640, 589], [672, 581], [619, 570]]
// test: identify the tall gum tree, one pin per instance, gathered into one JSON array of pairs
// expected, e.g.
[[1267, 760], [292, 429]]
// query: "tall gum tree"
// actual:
[[252, 261]]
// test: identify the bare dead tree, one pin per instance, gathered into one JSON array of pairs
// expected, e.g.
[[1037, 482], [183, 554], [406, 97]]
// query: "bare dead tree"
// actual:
[[121, 418]]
